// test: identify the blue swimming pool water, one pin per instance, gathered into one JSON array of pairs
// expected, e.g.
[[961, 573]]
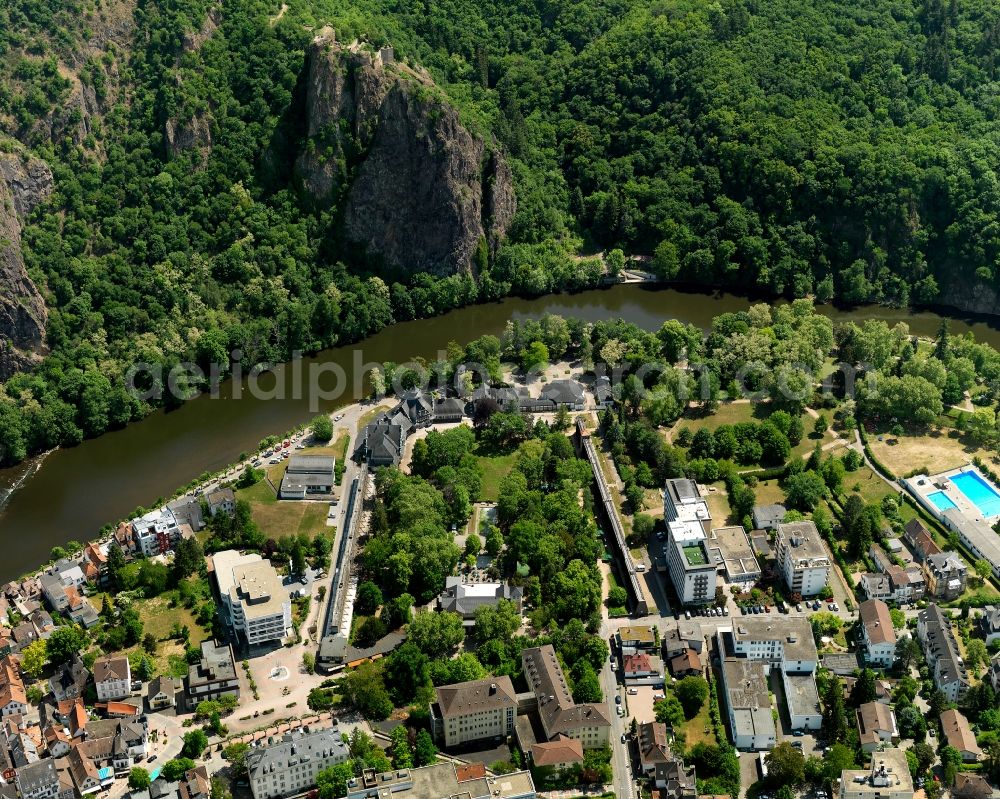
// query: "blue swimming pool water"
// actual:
[[941, 501], [979, 492]]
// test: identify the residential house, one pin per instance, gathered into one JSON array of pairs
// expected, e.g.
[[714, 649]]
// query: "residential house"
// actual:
[[288, 765], [162, 693], [994, 673], [69, 680], [686, 663], [642, 669], [959, 735], [113, 678], [604, 395], [558, 713], [214, 675], [946, 574], [971, 786], [187, 510], [472, 711], [802, 557], [888, 777], [38, 780], [666, 770], [223, 501], [878, 637], [155, 533], [466, 598], [988, 623], [86, 776], [13, 699], [920, 540], [561, 753], [876, 725], [635, 638], [937, 638], [768, 517]]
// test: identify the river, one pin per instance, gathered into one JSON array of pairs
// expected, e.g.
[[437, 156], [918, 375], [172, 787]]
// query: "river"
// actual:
[[72, 493]]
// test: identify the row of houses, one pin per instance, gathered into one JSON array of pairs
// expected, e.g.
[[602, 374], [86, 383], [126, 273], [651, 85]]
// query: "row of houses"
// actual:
[[937, 574]]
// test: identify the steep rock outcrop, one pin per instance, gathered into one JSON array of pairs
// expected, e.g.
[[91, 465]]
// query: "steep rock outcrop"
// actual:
[[24, 182], [970, 294], [419, 190]]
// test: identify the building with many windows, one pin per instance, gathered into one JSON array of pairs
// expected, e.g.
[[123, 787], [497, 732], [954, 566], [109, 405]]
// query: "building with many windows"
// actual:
[[878, 637], [473, 711], [689, 561], [288, 765], [251, 590], [802, 557], [588, 723], [937, 639]]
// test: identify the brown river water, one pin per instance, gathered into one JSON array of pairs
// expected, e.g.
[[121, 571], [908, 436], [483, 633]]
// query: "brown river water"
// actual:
[[72, 493]]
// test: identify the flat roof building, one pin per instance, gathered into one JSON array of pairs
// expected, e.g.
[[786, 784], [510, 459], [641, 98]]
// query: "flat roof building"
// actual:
[[785, 642], [802, 557], [748, 704], [252, 591], [888, 777], [439, 780], [308, 475], [802, 700], [731, 547]]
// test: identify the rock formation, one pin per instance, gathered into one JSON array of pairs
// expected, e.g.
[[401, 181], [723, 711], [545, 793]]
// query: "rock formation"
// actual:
[[24, 182], [419, 191]]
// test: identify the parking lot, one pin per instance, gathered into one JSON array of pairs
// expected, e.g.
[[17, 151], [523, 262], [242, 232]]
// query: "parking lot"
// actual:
[[640, 704]]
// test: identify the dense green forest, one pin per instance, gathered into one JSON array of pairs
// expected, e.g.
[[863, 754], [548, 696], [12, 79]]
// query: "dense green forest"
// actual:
[[840, 148]]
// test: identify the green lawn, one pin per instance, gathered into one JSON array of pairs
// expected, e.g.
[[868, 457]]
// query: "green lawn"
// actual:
[[495, 468], [871, 487], [277, 519], [260, 493], [699, 729]]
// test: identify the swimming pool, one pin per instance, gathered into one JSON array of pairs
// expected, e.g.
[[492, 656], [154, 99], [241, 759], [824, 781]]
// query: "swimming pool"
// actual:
[[941, 501], [979, 492]]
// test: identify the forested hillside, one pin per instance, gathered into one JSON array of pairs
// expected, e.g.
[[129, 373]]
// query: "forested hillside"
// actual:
[[839, 148]]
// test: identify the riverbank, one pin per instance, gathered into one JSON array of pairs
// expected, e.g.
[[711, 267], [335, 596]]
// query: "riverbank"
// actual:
[[75, 492]]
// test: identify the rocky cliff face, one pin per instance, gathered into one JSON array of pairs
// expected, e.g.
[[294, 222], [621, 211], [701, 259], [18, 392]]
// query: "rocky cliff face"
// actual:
[[419, 190], [24, 182]]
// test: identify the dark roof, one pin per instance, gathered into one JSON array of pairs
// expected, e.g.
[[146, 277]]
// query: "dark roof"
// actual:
[[567, 392], [452, 406], [382, 441], [70, 680]]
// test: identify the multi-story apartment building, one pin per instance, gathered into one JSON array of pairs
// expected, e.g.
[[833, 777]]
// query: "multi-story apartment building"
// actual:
[[289, 765], [877, 634], [937, 638], [587, 723], [113, 678], [787, 642], [441, 779], [258, 604], [802, 557], [689, 561], [473, 711]]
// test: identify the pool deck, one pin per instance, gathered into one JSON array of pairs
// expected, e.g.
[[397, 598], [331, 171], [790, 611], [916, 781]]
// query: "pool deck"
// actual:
[[966, 518]]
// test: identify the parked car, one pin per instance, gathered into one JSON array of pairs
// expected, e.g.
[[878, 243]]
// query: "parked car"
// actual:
[[618, 699], [623, 737]]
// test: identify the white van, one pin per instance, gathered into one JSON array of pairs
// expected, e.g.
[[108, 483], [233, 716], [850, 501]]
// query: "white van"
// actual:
[[633, 691], [640, 567]]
